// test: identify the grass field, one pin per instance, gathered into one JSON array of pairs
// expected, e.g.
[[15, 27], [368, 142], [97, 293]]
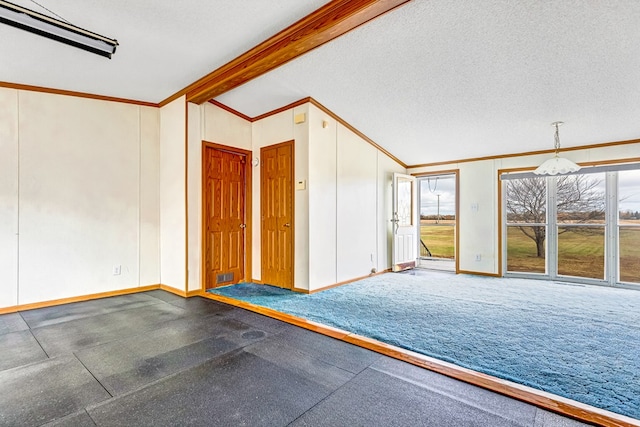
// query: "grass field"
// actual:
[[439, 239], [580, 254]]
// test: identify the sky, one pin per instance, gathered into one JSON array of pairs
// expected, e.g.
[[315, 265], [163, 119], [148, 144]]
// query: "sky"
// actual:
[[629, 190], [430, 187]]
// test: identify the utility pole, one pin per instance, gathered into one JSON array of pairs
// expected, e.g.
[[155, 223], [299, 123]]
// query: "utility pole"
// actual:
[[438, 216]]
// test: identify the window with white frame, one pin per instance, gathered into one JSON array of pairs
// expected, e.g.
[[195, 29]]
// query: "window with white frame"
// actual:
[[582, 227]]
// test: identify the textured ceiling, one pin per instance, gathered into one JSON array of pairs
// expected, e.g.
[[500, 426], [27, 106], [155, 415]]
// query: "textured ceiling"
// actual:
[[164, 45], [440, 80], [431, 81]]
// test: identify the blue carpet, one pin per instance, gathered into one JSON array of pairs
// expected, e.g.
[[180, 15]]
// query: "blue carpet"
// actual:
[[581, 342]]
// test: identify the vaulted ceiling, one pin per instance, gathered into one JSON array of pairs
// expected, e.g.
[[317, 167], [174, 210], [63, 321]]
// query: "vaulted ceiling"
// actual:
[[430, 81]]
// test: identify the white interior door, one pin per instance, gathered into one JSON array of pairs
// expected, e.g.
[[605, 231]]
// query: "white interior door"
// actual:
[[405, 232]]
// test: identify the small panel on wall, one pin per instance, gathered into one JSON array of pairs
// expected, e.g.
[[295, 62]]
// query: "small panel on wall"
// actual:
[[301, 185], [299, 118]]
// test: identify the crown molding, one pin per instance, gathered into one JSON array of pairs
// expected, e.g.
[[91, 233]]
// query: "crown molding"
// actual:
[[41, 89]]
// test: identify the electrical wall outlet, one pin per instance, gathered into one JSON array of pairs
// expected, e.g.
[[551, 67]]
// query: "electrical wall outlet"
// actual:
[[117, 269], [478, 257]]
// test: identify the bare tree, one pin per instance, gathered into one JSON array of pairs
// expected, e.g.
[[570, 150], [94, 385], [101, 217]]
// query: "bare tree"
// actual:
[[579, 200]]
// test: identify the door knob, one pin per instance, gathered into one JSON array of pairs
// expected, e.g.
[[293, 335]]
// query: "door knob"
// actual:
[[287, 225], [243, 225]]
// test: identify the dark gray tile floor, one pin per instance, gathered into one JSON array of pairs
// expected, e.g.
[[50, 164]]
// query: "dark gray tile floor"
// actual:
[[155, 359]]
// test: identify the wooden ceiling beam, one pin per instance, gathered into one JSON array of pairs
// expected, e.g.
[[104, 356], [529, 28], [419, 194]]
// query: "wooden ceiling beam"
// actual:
[[325, 24]]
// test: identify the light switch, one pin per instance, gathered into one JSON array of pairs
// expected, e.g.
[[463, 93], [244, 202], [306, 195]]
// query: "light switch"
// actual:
[[301, 185]]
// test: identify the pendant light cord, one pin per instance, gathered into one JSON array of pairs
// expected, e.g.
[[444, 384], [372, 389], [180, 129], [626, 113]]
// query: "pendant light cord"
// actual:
[[557, 136]]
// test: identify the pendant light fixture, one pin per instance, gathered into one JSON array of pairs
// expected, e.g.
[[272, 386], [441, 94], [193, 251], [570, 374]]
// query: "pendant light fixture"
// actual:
[[556, 165], [46, 26]]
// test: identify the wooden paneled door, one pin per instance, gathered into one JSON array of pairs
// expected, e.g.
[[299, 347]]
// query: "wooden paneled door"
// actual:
[[226, 188], [276, 192]]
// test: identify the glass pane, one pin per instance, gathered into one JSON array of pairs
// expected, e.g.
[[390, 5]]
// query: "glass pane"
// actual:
[[526, 249], [405, 202], [437, 240], [581, 251], [526, 200], [438, 216], [581, 199], [438, 199], [630, 254], [629, 197]]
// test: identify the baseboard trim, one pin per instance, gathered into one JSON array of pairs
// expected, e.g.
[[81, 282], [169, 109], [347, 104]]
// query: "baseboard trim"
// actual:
[[335, 285], [51, 303], [180, 292], [548, 401], [478, 273]]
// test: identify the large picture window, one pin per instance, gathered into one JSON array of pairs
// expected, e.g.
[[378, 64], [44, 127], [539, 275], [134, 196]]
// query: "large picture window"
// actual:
[[580, 227]]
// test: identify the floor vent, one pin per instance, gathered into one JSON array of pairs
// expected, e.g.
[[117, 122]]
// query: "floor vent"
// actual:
[[224, 278]]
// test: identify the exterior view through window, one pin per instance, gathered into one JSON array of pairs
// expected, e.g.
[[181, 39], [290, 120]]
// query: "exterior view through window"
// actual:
[[576, 227], [438, 221]]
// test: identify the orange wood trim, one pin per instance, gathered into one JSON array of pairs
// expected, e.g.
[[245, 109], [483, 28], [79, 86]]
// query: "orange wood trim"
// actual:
[[526, 394], [297, 321], [610, 162], [248, 209], [203, 216], [180, 292], [356, 131], [322, 108], [457, 251], [500, 236], [531, 153], [530, 395], [478, 273], [9, 309], [319, 27], [186, 197], [281, 109], [456, 172], [51, 303], [438, 172], [583, 164], [75, 94], [335, 285], [300, 290], [230, 110], [172, 98], [257, 282]]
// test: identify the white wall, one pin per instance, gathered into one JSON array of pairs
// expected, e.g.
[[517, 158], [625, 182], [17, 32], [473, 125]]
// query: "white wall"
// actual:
[[356, 207], [349, 204], [173, 243], [322, 187], [79, 203], [222, 127], [194, 195], [149, 196], [8, 197], [479, 185]]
